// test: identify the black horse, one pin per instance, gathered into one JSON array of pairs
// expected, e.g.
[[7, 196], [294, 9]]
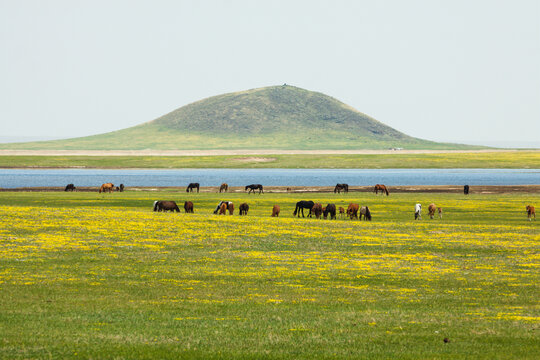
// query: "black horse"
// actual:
[[254, 187], [165, 206], [192, 186], [301, 205], [341, 187], [70, 187], [244, 208], [466, 189], [330, 209]]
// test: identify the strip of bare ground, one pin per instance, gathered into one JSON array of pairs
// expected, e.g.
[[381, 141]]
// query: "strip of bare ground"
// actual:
[[230, 152], [480, 189]]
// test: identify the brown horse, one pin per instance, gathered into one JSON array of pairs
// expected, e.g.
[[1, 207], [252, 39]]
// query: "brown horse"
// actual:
[[106, 187], [244, 208], [317, 209], [431, 210], [381, 187], [275, 211], [330, 209], [352, 211], [165, 206], [341, 212], [223, 209], [530, 212], [188, 207], [224, 187]]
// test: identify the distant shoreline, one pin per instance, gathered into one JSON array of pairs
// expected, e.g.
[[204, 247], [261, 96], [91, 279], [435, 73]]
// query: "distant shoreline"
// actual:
[[239, 152], [456, 189]]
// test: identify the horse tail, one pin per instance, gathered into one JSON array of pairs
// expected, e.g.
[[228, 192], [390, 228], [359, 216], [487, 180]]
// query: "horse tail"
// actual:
[[368, 213], [386, 190], [155, 205]]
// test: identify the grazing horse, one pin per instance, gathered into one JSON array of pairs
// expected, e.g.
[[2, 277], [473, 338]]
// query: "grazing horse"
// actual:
[[254, 187], [301, 205], [466, 190], [431, 210], [288, 189], [228, 205], [341, 212], [417, 211], [340, 187], [317, 210], [69, 187], [121, 187], [275, 211], [330, 209], [223, 209], [530, 212], [244, 208], [188, 207], [106, 187], [352, 211], [192, 186], [440, 212], [165, 206], [224, 187], [364, 210], [381, 187]]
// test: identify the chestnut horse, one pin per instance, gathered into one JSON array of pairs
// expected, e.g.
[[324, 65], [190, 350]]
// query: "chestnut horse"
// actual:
[[341, 212], [223, 206], [224, 187], [275, 211], [530, 212], [381, 187], [244, 208], [106, 187], [317, 210], [188, 207], [352, 211]]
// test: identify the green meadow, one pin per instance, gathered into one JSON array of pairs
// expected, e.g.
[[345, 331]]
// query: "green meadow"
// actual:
[[102, 276], [503, 159]]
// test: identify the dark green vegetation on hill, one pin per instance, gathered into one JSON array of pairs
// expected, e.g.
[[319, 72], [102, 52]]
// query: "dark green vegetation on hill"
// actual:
[[276, 117]]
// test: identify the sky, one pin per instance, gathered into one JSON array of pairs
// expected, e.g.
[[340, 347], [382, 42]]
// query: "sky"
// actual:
[[462, 71]]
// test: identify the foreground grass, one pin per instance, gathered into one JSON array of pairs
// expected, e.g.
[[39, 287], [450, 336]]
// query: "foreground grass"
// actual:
[[514, 160], [86, 275]]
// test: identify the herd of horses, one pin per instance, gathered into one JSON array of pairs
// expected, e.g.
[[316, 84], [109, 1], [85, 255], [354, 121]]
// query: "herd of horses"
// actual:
[[353, 211]]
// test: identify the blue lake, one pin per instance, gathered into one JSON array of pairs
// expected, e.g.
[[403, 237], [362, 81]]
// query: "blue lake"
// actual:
[[13, 178]]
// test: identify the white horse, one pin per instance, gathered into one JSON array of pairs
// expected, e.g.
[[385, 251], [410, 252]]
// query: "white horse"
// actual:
[[418, 212]]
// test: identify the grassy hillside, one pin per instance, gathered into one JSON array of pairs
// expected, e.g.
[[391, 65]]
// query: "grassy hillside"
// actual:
[[277, 117]]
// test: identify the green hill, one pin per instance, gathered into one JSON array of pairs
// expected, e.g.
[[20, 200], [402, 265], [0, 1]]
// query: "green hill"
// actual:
[[276, 117]]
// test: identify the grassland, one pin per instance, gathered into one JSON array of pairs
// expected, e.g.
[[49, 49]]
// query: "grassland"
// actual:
[[87, 275], [511, 159]]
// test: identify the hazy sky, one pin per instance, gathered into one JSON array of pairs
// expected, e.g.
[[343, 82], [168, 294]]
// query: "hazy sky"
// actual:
[[439, 70]]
